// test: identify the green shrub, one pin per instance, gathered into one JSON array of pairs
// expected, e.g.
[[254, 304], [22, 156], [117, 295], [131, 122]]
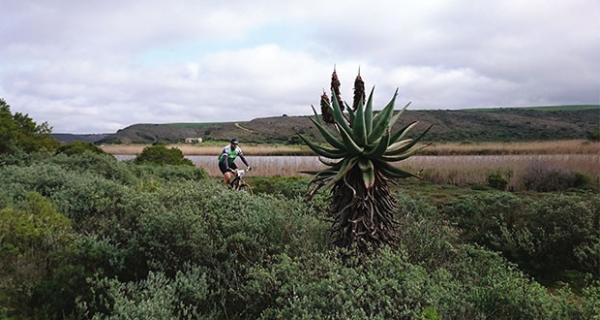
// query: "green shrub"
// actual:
[[427, 237], [168, 172], [160, 154], [34, 238], [498, 180], [546, 237], [145, 241], [156, 297], [322, 286], [593, 135], [101, 164], [19, 132], [591, 302], [79, 147], [289, 187], [541, 178]]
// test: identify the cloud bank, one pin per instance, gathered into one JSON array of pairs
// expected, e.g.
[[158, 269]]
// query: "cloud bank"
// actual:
[[97, 66]]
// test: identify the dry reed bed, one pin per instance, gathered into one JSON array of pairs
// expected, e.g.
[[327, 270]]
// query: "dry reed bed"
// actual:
[[457, 170], [505, 148], [469, 170], [484, 148], [211, 149]]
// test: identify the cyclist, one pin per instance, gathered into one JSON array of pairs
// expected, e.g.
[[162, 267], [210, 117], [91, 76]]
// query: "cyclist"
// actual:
[[227, 159]]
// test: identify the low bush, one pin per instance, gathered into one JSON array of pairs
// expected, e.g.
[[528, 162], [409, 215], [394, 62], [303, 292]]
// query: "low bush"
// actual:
[[79, 147], [593, 135], [542, 178], [168, 172], [34, 238], [289, 187], [101, 164], [156, 297], [546, 236], [162, 242], [19, 133], [160, 154], [499, 180]]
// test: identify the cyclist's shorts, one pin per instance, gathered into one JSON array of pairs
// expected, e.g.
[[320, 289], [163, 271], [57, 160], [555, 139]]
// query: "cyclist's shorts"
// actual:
[[222, 166]]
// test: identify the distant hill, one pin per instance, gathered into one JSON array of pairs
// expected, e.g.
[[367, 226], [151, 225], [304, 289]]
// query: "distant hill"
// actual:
[[495, 124], [71, 137]]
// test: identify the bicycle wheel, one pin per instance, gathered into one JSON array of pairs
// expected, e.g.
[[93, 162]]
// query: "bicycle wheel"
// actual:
[[244, 187]]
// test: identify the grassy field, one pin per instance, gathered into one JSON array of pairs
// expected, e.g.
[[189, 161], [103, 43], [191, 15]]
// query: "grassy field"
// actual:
[[483, 148]]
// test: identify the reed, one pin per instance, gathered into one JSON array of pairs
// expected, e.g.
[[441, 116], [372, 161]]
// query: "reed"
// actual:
[[454, 170], [483, 148], [507, 148], [187, 149]]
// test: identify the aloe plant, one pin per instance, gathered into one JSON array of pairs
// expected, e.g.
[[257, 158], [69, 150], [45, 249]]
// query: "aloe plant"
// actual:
[[360, 149]]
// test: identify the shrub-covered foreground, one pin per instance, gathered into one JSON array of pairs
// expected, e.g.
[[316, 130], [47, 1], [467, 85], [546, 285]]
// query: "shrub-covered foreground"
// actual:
[[89, 237]]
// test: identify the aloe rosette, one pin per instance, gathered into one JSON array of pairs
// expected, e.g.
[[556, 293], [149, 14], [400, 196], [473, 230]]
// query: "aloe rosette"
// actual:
[[360, 149]]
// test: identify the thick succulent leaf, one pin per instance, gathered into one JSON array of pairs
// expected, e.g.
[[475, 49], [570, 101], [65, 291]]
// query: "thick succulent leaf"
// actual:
[[358, 126], [311, 172], [389, 108], [328, 163], [381, 146], [329, 136], [368, 172], [402, 156], [398, 147], [397, 115], [410, 145], [316, 114], [402, 132], [382, 120], [338, 115], [329, 172], [347, 165], [369, 113], [391, 171], [351, 145], [325, 152], [325, 175], [350, 114]]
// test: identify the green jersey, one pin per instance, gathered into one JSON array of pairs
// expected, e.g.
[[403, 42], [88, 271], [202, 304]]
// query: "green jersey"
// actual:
[[231, 154]]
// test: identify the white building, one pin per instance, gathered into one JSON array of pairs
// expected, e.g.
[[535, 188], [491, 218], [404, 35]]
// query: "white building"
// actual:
[[193, 140]]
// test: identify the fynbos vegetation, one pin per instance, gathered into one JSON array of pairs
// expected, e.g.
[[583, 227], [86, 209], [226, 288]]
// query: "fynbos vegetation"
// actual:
[[84, 236], [361, 148]]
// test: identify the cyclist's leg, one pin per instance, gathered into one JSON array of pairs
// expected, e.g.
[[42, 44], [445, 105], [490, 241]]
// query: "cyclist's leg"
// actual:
[[222, 166], [226, 173], [236, 179]]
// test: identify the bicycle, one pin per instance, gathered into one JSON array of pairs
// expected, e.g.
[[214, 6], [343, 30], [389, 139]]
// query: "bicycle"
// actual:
[[238, 183]]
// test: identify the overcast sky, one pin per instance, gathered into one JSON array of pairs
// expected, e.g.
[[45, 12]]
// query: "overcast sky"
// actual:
[[98, 66]]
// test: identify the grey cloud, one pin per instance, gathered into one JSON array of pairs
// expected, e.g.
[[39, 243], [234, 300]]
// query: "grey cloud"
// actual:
[[77, 64]]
